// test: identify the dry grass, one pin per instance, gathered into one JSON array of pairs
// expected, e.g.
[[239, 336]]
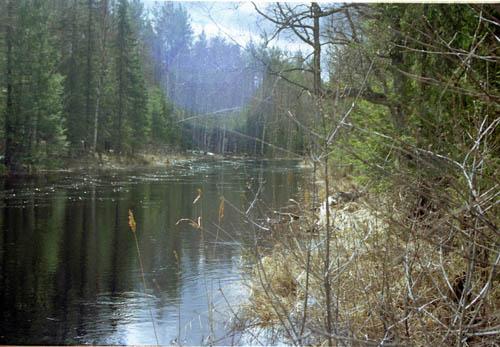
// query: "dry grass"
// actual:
[[396, 278]]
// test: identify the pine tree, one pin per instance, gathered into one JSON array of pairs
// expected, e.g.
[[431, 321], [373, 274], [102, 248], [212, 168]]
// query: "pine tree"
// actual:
[[130, 121], [161, 111], [34, 120], [73, 65]]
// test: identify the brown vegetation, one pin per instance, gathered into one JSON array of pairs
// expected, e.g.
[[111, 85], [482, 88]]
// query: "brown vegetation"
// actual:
[[397, 277]]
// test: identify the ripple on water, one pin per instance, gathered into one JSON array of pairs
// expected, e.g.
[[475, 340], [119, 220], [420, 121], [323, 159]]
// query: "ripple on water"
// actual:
[[79, 260]]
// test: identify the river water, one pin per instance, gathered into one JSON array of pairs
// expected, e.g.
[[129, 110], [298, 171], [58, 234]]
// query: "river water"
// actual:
[[69, 266]]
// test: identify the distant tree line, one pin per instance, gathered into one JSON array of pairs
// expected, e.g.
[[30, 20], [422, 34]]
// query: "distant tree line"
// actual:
[[269, 122]]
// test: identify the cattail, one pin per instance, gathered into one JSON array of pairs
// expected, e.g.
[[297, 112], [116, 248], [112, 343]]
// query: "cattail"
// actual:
[[131, 221]]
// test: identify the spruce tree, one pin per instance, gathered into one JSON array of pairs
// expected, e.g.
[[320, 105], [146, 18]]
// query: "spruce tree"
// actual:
[[34, 120], [131, 123]]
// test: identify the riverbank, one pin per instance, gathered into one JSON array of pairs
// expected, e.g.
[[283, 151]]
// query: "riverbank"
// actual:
[[110, 162], [107, 161], [101, 162], [287, 282], [379, 273]]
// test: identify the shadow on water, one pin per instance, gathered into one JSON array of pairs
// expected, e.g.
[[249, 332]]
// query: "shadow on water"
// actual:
[[69, 268]]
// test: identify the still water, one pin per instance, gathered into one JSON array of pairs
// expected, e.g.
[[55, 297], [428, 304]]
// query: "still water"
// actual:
[[69, 269]]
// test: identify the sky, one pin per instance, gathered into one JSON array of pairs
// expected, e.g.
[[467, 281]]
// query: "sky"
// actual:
[[238, 22]]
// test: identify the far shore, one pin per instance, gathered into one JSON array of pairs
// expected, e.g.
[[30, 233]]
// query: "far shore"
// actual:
[[112, 162]]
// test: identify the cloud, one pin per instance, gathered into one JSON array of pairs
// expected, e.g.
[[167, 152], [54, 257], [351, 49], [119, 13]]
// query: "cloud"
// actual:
[[229, 19]]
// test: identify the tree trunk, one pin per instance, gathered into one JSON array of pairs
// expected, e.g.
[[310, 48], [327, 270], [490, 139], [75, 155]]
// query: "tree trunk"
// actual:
[[223, 149], [316, 11], [96, 119], [89, 72], [102, 74], [9, 159], [263, 138]]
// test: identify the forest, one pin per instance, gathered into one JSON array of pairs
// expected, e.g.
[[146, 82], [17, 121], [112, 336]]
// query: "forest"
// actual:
[[84, 77], [395, 108]]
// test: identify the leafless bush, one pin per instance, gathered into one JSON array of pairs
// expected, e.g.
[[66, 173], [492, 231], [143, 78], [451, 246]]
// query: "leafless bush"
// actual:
[[415, 263]]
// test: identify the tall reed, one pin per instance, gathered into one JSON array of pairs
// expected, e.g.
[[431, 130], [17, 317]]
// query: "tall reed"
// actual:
[[133, 227]]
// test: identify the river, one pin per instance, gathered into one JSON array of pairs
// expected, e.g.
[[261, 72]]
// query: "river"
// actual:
[[69, 266]]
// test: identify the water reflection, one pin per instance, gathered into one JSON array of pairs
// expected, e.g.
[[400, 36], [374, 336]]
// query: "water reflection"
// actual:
[[69, 271]]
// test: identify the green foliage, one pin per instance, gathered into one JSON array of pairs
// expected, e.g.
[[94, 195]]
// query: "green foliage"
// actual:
[[417, 57], [363, 148], [163, 129], [52, 126]]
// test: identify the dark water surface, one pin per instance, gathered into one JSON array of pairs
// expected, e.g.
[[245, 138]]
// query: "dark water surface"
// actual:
[[69, 270]]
